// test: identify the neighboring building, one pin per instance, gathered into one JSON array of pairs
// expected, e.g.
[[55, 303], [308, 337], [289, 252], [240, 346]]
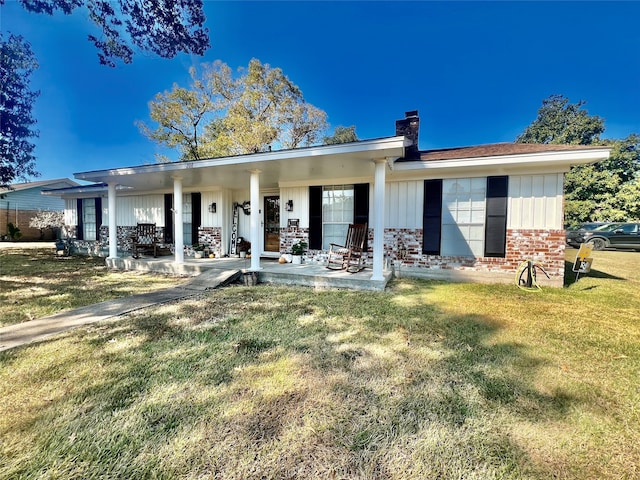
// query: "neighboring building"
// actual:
[[471, 212], [21, 202]]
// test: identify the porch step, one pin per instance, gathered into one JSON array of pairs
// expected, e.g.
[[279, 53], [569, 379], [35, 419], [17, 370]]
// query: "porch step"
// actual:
[[211, 279]]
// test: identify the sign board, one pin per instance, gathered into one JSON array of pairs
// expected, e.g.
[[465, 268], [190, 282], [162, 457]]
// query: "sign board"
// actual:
[[583, 266], [583, 262], [234, 231]]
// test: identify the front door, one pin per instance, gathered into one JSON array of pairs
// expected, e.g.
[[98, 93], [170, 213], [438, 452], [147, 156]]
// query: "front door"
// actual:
[[272, 223]]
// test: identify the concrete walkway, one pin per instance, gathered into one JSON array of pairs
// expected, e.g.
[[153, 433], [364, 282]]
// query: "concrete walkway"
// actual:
[[43, 328], [23, 245]]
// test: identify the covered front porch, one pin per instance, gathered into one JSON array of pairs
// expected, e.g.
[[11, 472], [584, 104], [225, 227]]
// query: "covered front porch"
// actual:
[[218, 182], [310, 275]]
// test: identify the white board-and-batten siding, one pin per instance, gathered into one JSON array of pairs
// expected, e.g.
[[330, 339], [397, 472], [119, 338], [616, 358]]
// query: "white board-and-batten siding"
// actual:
[[134, 209], [70, 216], [300, 198], [210, 219], [403, 204], [535, 202], [130, 210]]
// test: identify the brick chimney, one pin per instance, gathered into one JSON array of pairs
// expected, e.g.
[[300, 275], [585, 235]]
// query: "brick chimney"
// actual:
[[409, 127]]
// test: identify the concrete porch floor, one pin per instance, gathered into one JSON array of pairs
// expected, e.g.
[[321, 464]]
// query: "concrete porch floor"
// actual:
[[311, 275]]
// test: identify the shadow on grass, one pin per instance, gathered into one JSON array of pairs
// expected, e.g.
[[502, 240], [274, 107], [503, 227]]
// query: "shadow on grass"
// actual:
[[374, 373], [570, 276]]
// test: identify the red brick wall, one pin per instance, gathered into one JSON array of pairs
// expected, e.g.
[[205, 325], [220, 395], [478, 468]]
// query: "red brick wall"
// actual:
[[291, 235], [544, 246]]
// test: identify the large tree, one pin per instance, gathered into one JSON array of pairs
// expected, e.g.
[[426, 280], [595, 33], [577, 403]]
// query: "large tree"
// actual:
[[225, 114], [17, 62], [608, 190], [163, 27], [561, 122], [605, 191], [181, 115], [341, 135]]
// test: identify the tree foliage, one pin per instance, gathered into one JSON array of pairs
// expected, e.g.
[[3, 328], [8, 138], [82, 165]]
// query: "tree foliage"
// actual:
[[180, 114], [17, 62], [560, 122], [221, 114], [605, 191], [341, 135], [47, 220], [163, 27]]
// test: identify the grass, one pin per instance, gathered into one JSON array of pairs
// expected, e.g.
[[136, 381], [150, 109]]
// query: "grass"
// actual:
[[425, 380], [34, 283]]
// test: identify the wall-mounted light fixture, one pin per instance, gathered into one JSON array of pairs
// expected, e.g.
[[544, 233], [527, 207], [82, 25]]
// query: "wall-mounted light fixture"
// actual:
[[289, 206], [213, 208], [246, 207]]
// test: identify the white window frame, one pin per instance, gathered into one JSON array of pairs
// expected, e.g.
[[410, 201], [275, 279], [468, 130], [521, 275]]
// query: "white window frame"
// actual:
[[335, 222], [187, 220], [89, 219], [463, 217]]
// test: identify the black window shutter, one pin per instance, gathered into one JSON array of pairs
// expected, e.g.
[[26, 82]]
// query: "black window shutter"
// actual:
[[168, 218], [361, 206], [80, 228], [361, 203], [432, 217], [196, 215], [98, 216], [315, 218], [495, 233]]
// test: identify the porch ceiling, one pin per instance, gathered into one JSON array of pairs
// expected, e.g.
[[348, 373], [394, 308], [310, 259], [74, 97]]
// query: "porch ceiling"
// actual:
[[299, 165]]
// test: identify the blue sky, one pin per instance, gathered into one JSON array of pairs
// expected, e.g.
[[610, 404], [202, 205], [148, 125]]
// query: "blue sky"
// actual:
[[476, 71]]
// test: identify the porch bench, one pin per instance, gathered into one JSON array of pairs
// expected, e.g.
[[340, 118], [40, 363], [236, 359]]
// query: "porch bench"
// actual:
[[144, 240]]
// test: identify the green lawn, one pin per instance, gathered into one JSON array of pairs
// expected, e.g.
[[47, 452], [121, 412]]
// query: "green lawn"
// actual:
[[426, 380], [35, 283]]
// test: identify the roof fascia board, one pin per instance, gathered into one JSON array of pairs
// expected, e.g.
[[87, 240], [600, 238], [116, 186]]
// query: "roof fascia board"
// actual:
[[85, 190], [323, 150], [415, 175], [567, 158], [75, 190], [39, 184]]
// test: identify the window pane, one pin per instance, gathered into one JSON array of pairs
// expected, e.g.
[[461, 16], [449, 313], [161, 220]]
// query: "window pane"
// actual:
[[187, 216], [463, 216], [477, 216], [89, 219], [448, 216], [337, 213], [479, 186]]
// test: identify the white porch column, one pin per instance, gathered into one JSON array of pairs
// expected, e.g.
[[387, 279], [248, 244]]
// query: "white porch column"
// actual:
[[113, 225], [378, 220], [255, 220], [178, 226]]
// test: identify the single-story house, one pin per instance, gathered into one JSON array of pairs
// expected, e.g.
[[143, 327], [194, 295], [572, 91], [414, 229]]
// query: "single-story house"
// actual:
[[20, 202], [474, 212]]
